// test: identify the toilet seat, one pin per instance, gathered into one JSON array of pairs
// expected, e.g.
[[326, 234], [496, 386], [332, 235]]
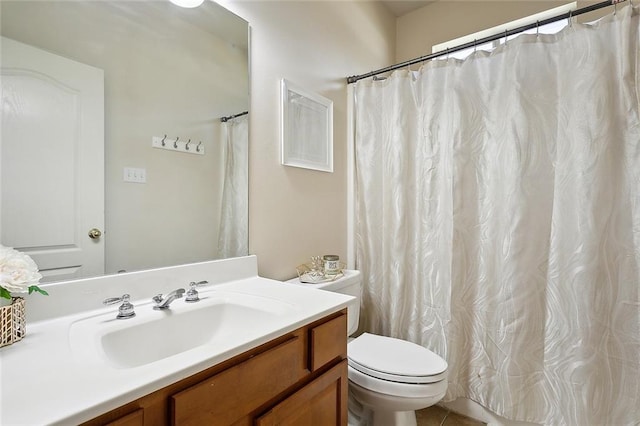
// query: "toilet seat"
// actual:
[[395, 360], [394, 390]]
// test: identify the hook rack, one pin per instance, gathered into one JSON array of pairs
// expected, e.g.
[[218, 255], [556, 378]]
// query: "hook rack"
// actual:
[[177, 144]]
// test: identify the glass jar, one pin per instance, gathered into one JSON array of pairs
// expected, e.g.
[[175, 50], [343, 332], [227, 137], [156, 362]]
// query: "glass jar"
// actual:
[[331, 264]]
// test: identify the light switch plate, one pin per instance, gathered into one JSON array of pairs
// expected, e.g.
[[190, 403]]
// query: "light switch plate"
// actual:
[[135, 175]]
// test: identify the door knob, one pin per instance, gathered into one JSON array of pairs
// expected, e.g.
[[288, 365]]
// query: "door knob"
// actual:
[[94, 233]]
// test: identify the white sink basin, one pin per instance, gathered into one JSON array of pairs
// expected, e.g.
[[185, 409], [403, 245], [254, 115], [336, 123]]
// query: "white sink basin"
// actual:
[[217, 319]]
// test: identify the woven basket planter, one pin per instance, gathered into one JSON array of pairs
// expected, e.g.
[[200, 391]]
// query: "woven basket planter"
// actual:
[[13, 324]]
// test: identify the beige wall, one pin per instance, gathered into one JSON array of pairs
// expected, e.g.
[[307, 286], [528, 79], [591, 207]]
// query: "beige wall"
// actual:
[[296, 213]]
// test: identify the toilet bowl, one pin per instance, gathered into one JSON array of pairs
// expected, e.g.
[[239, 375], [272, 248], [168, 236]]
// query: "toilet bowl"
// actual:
[[389, 378]]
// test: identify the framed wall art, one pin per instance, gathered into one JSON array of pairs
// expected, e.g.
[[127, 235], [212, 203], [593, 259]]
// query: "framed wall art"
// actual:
[[306, 128]]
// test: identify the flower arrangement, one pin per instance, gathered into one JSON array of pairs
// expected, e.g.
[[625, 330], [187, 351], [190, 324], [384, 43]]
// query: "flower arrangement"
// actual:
[[18, 273]]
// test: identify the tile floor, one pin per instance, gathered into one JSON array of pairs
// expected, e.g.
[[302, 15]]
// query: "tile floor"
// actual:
[[438, 416]]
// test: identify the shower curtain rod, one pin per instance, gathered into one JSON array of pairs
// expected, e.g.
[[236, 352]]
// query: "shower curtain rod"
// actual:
[[506, 33], [231, 117]]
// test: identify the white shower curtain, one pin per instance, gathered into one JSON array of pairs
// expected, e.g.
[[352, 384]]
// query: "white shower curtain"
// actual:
[[234, 217], [498, 220]]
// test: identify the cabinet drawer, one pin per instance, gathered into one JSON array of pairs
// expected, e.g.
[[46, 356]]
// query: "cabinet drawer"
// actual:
[[235, 392], [134, 419], [328, 341]]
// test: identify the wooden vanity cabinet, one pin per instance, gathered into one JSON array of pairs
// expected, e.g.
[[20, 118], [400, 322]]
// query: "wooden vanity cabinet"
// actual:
[[299, 378]]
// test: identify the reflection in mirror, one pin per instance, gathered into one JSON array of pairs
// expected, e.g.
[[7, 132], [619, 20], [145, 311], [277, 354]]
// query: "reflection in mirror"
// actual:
[[86, 86]]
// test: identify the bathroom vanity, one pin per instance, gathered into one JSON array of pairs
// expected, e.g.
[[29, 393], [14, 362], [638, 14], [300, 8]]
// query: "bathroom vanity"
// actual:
[[252, 351], [294, 379]]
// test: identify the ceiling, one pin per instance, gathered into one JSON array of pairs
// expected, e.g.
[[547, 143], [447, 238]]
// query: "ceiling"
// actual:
[[402, 7]]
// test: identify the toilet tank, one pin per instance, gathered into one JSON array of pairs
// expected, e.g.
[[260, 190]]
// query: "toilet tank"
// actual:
[[350, 284]]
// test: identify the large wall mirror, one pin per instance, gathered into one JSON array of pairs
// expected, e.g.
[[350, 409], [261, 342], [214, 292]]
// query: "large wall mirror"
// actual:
[[86, 87]]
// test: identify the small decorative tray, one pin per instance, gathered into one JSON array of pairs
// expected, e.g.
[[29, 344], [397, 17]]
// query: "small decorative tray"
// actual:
[[311, 273]]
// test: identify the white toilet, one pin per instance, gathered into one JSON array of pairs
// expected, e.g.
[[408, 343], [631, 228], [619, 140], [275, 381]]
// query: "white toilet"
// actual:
[[388, 378]]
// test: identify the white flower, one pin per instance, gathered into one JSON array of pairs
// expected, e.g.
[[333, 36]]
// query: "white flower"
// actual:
[[18, 271]]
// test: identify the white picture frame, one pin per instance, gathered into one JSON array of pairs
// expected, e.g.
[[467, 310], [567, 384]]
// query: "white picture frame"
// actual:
[[306, 128]]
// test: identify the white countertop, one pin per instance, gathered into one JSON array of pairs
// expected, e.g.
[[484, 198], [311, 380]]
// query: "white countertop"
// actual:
[[44, 382]]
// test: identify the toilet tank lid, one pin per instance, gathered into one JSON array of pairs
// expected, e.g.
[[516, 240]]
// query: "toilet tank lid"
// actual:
[[394, 356], [350, 277]]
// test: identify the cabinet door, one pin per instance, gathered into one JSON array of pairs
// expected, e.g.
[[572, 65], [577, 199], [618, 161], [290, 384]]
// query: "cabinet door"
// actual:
[[322, 402]]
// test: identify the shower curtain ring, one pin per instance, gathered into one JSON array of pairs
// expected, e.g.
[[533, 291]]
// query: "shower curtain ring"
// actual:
[[570, 18], [537, 28], [475, 45]]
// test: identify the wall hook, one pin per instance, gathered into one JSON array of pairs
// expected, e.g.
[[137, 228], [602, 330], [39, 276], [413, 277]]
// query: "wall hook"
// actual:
[[175, 146]]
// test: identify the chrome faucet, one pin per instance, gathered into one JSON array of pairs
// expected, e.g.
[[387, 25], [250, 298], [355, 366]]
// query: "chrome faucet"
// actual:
[[163, 302]]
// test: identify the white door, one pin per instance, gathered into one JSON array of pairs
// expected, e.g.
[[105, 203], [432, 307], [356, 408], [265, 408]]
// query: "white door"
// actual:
[[52, 161]]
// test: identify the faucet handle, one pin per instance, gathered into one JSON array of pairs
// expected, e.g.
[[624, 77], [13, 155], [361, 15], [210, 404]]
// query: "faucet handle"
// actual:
[[126, 310], [192, 294]]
